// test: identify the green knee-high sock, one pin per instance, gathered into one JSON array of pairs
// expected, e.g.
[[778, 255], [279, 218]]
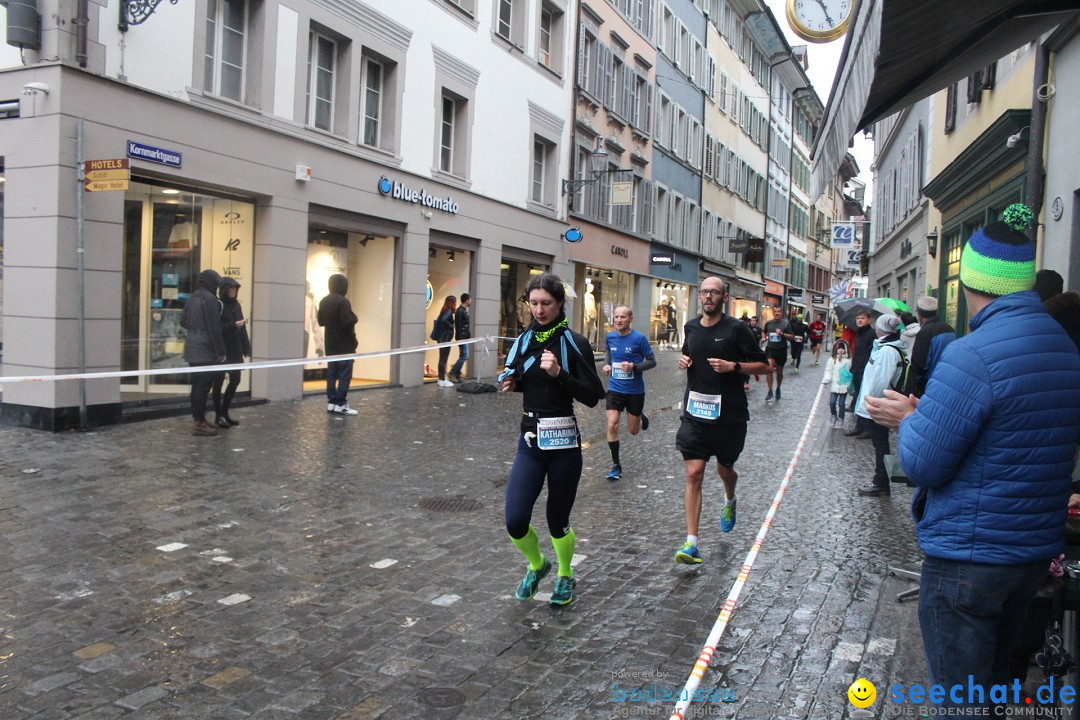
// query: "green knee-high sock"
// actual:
[[564, 550], [530, 548]]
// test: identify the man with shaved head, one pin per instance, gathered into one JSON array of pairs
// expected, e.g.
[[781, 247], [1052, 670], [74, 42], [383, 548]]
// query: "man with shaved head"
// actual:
[[628, 356], [717, 351]]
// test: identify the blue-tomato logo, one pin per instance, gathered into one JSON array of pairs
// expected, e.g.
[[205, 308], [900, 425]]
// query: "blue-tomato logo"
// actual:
[[385, 186]]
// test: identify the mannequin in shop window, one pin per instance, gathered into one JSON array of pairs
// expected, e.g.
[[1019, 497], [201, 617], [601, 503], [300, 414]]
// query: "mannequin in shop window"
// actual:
[[184, 233], [672, 324], [313, 334], [590, 311]]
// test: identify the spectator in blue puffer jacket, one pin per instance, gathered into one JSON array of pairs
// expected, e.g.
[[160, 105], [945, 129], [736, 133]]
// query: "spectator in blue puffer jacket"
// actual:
[[990, 446]]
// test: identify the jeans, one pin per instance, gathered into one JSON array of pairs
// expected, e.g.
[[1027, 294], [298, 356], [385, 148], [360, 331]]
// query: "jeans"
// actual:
[[837, 403], [338, 379], [970, 614], [201, 383], [879, 435], [463, 355], [444, 355]]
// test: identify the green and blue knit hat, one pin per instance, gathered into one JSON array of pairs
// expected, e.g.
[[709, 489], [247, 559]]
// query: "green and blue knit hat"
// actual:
[[999, 259]]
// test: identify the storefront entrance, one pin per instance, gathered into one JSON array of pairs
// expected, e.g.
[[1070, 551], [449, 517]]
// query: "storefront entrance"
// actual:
[[170, 236], [367, 261]]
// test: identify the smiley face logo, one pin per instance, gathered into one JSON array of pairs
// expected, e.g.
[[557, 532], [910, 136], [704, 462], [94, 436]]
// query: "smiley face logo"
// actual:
[[862, 693]]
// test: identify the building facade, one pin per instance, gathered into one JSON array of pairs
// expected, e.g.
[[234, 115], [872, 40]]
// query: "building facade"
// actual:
[[277, 144]]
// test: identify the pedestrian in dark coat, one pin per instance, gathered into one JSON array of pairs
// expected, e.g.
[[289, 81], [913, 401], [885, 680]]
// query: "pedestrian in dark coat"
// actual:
[[203, 344], [864, 344], [339, 324], [237, 347]]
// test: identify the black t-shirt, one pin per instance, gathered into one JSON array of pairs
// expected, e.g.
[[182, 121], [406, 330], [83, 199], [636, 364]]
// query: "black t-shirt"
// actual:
[[728, 339], [799, 330], [776, 329]]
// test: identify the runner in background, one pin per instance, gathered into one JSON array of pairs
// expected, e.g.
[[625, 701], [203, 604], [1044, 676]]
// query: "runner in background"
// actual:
[[817, 337], [628, 355], [799, 331]]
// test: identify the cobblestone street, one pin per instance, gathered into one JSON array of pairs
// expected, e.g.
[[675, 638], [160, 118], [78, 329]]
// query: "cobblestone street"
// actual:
[[312, 566]]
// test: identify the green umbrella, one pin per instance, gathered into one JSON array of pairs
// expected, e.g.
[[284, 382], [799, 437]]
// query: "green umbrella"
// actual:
[[896, 305]]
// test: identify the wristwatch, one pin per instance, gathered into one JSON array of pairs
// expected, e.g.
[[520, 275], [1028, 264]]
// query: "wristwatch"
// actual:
[[738, 367]]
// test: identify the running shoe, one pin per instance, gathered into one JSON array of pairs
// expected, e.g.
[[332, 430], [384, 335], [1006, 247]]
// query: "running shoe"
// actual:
[[687, 555], [331, 407], [727, 517], [796, 369], [345, 410], [532, 579], [564, 590], [616, 472], [816, 363], [778, 394], [644, 422], [769, 396]]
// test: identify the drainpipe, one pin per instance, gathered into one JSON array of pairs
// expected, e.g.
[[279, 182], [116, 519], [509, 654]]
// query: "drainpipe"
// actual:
[[1035, 170], [82, 19]]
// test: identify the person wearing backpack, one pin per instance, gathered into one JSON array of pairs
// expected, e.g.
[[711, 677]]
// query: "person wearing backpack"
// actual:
[[443, 332], [884, 370], [551, 366], [838, 377]]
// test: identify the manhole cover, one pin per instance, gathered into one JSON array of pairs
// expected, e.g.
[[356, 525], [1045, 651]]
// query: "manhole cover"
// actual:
[[455, 504], [441, 697]]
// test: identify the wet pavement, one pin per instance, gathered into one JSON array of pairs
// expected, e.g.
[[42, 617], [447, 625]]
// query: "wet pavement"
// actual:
[[305, 565]]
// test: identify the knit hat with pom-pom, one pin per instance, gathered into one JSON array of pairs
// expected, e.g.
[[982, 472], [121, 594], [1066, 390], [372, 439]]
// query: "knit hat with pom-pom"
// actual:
[[999, 259]]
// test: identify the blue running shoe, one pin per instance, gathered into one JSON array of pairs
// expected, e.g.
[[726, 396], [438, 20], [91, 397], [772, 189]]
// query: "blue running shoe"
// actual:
[[727, 517], [687, 555], [644, 422], [616, 472], [564, 590], [532, 579]]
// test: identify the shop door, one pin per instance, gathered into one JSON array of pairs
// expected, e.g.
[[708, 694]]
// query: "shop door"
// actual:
[[167, 242]]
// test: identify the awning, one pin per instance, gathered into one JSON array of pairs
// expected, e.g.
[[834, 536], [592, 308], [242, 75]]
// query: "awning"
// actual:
[[901, 51]]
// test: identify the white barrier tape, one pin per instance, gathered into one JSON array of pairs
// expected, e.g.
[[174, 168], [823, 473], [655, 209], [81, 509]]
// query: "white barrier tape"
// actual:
[[706, 655], [262, 365]]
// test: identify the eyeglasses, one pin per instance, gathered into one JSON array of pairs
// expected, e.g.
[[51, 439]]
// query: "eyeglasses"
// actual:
[[710, 293]]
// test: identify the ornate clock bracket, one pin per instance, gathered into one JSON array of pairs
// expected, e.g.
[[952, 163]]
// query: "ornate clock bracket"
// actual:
[[136, 12]]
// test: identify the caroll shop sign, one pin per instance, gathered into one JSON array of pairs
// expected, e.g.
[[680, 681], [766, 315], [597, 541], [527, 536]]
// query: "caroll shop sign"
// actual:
[[400, 191]]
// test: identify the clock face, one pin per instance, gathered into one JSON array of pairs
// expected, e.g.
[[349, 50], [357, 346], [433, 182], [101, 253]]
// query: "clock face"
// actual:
[[819, 20]]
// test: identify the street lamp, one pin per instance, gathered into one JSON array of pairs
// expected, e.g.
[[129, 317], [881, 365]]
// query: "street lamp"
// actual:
[[597, 166]]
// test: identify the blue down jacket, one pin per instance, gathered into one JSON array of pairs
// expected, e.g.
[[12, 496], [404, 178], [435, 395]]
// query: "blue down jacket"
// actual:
[[992, 442]]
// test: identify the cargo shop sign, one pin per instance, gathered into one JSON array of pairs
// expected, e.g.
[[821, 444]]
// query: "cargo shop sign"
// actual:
[[400, 191]]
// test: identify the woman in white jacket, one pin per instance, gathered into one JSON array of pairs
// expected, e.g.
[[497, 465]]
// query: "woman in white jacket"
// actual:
[[838, 390]]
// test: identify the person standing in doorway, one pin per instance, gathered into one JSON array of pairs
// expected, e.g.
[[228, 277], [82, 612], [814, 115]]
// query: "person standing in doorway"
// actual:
[[551, 366], [628, 356], [237, 347], [462, 331], [775, 335], [339, 338], [444, 333], [203, 344], [717, 350]]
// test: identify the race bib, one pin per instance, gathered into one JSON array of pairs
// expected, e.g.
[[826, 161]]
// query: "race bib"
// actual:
[[775, 337], [798, 338], [618, 373], [558, 433], [706, 407]]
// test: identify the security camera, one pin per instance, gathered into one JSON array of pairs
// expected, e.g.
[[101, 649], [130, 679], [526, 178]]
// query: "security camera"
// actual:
[[33, 87]]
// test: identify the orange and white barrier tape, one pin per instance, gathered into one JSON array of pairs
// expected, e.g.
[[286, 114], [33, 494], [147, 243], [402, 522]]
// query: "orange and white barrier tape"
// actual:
[[707, 652]]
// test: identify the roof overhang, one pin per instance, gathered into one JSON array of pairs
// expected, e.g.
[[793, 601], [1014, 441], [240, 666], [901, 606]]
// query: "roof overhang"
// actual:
[[901, 51]]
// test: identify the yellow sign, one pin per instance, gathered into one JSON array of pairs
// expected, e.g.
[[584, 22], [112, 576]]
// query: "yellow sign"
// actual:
[[781, 262], [103, 185], [118, 164], [108, 175]]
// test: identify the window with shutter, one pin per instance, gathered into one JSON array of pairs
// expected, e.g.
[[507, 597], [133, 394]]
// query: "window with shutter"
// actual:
[[708, 156], [722, 103]]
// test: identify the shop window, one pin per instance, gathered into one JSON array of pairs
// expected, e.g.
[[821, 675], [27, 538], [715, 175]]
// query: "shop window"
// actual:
[[604, 291], [223, 58], [2, 183], [170, 236], [669, 303], [514, 313]]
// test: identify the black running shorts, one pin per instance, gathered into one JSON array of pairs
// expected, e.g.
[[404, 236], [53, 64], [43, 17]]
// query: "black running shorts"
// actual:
[[777, 354], [633, 404], [700, 442]]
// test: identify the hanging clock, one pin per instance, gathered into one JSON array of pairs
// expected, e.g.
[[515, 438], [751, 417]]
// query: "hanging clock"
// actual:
[[819, 21]]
